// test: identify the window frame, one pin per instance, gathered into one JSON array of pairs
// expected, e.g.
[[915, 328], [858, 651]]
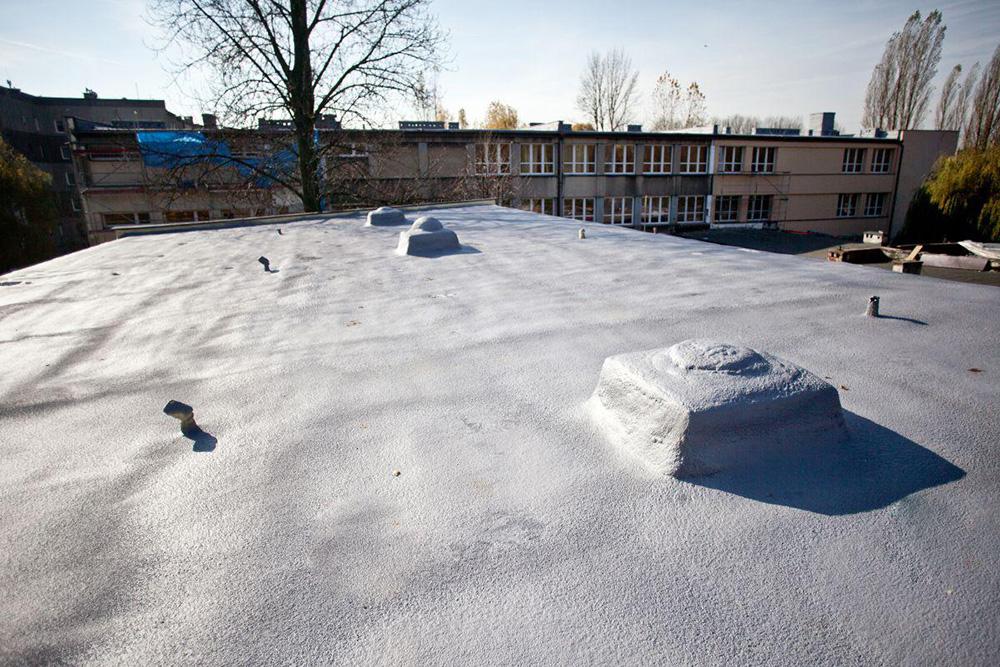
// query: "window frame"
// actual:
[[719, 209], [759, 213], [684, 165], [618, 210], [847, 204], [731, 166], [663, 165], [570, 205], [882, 160], [623, 167], [661, 210], [869, 212], [545, 205], [543, 165], [762, 159], [588, 163], [683, 214], [855, 166], [494, 165]]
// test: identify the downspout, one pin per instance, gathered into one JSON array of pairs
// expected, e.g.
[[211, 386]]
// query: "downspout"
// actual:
[[895, 190], [557, 209]]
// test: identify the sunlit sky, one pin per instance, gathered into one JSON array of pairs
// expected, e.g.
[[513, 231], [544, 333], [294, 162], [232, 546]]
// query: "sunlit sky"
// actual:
[[762, 58]]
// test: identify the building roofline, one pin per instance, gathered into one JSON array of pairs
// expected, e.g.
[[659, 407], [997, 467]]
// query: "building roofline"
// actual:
[[121, 231], [82, 101], [532, 134]]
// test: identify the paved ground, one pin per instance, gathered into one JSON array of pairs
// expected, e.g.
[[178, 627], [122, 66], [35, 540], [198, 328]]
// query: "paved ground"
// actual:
[[817, 245]]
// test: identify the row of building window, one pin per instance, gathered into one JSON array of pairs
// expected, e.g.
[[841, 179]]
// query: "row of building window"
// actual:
[[111, 219], [539, 159], [619, 210], [848, 204], [691, 208]]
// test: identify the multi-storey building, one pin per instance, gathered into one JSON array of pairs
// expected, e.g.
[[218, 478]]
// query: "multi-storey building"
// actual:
[[825, 183], [37, 127]]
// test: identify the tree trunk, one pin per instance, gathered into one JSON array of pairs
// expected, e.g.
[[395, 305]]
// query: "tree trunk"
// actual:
[[303, 111]]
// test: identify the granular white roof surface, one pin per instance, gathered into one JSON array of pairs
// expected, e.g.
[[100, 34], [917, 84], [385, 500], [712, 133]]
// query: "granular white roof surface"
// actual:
[[514, 532]]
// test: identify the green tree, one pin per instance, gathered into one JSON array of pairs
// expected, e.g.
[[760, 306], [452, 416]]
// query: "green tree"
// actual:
[[27, 212], [961, 199]]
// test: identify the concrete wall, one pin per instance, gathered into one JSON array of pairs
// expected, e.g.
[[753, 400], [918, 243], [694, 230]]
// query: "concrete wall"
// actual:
[[921, 151]]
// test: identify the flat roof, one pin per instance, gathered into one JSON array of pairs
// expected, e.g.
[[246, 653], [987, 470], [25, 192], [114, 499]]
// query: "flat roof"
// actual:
[[515, 531]]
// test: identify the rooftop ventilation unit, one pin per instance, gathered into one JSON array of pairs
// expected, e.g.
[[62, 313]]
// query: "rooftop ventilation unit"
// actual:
[[700, 407], [635, 128]]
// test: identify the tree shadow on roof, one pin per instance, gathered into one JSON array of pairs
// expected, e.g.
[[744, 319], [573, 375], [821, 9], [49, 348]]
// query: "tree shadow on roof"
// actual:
[[873, 469]]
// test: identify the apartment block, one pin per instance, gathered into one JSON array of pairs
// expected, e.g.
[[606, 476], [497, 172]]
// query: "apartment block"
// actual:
[[821, 182], [36, 126]]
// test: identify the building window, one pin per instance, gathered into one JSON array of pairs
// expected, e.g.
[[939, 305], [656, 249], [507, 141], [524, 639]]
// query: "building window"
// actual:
[[759, 208], [854, 160], [108, 153], [847, 205], [693, 160], [75, 204], [582, 159], [691, 208], [621, 159], [60, 126], [875, 204], [64, 152], [111, 219], [537, 159], [492, 159], [352, 150], [178, 216], [70, 178], [881, 160], [655, 210], [543, 206], [731, 159], [656, 159], [763, 160], [727, 208], [579, 209], [618, 210]]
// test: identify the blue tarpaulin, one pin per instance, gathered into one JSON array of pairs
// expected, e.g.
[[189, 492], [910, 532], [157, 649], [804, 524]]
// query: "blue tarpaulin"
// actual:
[[173, 149]]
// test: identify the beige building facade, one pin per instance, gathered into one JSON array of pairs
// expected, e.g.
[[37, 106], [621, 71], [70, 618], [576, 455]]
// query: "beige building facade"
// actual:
[[829, 184]]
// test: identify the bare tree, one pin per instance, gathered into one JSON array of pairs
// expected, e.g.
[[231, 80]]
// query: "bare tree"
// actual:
[[950, 91], [463, 122], [900, 87], [302, 59], [608, 90], [694, 106], [668, 103], [983, 127], [740, 124]]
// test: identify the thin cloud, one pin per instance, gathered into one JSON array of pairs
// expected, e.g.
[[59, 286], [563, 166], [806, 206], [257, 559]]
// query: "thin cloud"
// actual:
[[57, 52]]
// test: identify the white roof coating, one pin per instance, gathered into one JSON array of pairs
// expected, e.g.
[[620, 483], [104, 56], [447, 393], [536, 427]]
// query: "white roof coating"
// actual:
[[514, 532]]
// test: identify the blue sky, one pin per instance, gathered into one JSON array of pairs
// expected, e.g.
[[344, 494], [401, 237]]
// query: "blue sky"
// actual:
[[759, 58]]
